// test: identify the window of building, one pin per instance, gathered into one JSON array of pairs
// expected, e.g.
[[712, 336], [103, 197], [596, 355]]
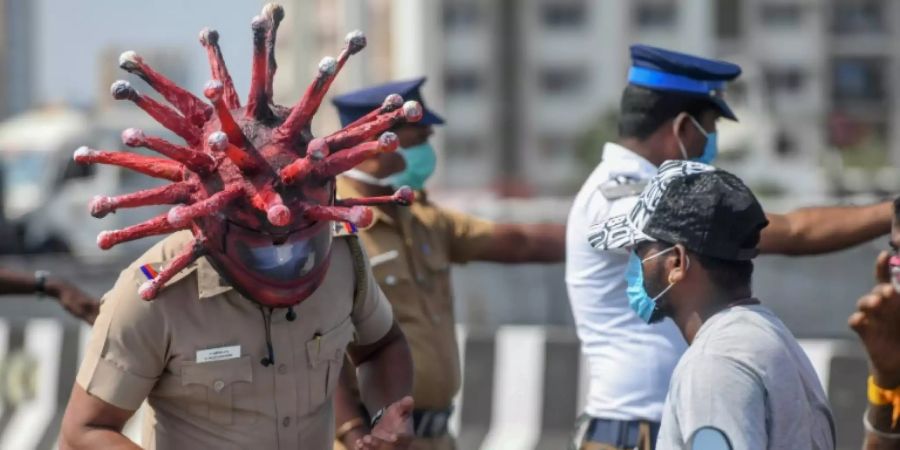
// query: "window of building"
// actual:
[[858, 16], [461, 82], [563, 80], [781, 14], [858, 79], [728, 18], [784, 81], [655, 14], [564, 14], [460, 14]]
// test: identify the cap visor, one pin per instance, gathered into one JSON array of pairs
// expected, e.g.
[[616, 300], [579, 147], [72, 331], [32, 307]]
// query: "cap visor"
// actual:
[[430, 118], [724, 109], [615, 232]]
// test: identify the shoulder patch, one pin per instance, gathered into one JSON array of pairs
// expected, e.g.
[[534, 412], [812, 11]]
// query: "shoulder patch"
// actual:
[[343, 229], [622, 186]]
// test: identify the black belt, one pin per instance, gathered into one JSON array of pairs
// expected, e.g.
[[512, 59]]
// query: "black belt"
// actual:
[[431, 423], [619, 433]]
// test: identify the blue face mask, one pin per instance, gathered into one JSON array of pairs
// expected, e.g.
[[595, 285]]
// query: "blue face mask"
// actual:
[[710, 150], [420, 163], [638, 299]]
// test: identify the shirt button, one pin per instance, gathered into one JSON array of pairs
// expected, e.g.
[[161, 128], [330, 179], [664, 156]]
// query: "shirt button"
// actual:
[[218, 385], [282, 369], [390, 280], [286, 422]]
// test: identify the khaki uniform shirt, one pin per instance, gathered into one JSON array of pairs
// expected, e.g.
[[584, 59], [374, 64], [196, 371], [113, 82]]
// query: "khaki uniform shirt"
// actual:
[[163, 351], [411, 260]]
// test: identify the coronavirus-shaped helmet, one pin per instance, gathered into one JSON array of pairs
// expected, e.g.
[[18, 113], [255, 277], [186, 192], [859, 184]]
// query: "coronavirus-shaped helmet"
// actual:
[[252, 184]]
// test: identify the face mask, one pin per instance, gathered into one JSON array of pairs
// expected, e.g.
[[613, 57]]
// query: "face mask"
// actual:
[[638, 299], [420, 163], [710, 150]]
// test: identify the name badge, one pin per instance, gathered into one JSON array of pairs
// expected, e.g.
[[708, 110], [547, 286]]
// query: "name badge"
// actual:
[[218, 354]]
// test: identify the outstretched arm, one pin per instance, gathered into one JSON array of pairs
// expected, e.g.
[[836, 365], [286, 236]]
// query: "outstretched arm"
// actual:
[[811, 231], [74, 300], [520, 243]]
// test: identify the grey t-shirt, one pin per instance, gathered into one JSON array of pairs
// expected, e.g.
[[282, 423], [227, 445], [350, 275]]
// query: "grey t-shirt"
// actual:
[[746, 375]]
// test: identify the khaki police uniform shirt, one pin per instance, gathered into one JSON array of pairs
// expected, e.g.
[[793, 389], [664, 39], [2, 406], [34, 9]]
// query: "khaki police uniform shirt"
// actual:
[[194, 353], [411, 260]]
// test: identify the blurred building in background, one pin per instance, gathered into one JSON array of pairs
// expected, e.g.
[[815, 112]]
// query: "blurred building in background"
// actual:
[[522, 82]]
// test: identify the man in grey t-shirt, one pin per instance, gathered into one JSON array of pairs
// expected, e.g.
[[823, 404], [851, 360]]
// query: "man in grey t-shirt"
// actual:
[[744, 382]]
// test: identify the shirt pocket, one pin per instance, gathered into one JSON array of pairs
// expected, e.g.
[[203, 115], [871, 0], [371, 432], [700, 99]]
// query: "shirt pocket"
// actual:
[[212, 384], [325, 353]]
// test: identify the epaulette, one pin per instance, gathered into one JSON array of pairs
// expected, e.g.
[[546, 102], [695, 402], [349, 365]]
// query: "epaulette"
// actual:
[[622, 186]]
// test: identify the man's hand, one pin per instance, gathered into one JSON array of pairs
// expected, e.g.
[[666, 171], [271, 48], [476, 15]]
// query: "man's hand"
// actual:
[[394, 431], [876, 324], [74, 300]]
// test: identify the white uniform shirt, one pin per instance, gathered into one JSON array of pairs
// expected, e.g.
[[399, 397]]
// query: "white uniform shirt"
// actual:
[[630, 362]]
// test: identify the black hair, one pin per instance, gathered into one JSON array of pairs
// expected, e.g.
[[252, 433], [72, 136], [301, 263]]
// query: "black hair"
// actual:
[[727, 275], [642, 111]]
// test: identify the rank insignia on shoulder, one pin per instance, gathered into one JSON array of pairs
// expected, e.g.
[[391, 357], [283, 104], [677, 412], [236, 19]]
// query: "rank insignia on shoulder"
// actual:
[[149, 271], [345, 228], [621, 187]]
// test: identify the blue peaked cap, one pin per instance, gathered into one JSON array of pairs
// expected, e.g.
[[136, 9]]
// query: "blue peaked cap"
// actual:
[[355, 104], [664, 70]]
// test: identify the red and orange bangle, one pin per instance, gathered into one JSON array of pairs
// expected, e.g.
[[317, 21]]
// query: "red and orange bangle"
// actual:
[[879, 396]]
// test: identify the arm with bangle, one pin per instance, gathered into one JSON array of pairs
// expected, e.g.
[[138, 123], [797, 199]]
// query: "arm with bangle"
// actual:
[[351, 417]]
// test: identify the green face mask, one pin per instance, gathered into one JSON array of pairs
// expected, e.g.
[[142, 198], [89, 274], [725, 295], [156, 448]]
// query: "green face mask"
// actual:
[[420, 163]]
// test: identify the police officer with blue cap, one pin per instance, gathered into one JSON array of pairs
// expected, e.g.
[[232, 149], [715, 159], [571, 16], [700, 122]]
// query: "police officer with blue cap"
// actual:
[[411, 250], [668, 110]]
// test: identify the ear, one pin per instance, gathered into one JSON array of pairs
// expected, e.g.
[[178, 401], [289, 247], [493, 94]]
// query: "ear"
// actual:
[[680, 263]]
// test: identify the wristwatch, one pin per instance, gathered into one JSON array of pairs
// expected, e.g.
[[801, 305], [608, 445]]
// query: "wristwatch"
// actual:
[[40, 282], [377, 417]]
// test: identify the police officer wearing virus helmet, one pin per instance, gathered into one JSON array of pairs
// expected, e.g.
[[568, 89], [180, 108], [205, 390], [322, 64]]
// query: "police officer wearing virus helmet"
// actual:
[[234, 328], [668, 110], [411, 251]]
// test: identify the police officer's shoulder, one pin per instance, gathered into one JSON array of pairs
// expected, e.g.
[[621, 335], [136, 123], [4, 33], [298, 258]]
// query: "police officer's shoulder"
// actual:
[[153, 261], [621, 186]]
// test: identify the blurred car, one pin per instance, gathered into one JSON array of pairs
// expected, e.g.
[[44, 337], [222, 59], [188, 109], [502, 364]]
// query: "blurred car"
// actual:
[[46, 194]]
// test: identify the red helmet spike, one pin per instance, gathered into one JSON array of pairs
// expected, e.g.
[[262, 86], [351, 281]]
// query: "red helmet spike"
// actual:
[[350, 136], [218, 142], [253, 185], [196, 161], [213, 91], [153, 227], [403, 197], [274, 13], [180, 216], [302, 112], [391, 103], [343, 161], [190, 106], [163, 195], [219, 71], [358, 215], [301, 168], [257, 102], [154, 167], [166, 116], [189, 254]]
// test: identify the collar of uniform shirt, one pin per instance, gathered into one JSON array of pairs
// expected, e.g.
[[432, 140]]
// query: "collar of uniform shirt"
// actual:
[[617, 154]]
